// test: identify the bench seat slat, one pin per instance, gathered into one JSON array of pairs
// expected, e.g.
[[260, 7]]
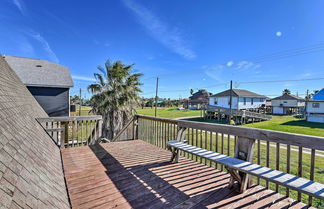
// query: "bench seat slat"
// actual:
[[297, 183]]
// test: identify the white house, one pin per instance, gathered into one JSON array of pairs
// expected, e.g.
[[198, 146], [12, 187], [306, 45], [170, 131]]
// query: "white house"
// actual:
[[287, 104], [315, 108], [241, 99]]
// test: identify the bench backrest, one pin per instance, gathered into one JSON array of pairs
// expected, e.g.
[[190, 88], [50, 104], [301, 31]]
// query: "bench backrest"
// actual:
[[31, 173]]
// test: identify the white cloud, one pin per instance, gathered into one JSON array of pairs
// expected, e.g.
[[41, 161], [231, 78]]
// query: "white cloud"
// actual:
[[217, 71], [168, 36], [278, 33], [20, 5], [246, 65], [45, 46], [230, 63], [83, 78]]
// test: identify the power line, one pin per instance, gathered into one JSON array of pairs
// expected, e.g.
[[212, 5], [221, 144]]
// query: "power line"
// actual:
[[267, 58], [279, 81]]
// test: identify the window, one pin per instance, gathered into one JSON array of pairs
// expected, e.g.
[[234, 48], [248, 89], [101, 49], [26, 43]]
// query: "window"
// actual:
[[215, 101], [315, 105], [285, 102], [244, 101], [251, 101]]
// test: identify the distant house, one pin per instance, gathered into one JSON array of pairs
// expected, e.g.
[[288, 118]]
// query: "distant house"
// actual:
[[241, 99], [199, 98], [315, 108], [287, 104], [48, 82]]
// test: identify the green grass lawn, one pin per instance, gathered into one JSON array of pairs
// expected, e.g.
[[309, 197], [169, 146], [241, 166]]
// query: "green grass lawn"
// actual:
[[290, 124], [165, 113], [84, 111]]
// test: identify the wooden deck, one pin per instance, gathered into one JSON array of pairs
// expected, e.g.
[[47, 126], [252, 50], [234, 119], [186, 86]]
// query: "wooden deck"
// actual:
[[136, 174]]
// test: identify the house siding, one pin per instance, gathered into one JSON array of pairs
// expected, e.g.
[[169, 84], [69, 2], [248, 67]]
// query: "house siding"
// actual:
[[237, 103], [315, 114], [55, 101], [287, 103]]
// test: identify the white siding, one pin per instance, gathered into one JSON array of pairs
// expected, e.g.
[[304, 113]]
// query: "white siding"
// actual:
[[287, 103], [257, 102], [278, 110], [315, 114], [238, 102], [311, 109], [316, 118], [223, 102]]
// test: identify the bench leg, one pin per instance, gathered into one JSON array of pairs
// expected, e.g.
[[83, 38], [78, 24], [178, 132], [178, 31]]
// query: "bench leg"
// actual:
[[245, 182], [243, 179], [175, 155]]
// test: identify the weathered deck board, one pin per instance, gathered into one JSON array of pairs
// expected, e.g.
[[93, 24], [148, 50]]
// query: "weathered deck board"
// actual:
[[135, 174]]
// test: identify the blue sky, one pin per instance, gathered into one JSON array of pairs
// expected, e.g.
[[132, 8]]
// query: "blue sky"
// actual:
[[188, 44]]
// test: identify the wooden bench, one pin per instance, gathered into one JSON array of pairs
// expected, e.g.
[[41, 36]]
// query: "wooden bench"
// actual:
[[240, 168]]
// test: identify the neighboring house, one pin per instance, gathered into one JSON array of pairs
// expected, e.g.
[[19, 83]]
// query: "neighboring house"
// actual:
[[199, 99], [315, 108], [48, 82], [241, 99], [287, 104]]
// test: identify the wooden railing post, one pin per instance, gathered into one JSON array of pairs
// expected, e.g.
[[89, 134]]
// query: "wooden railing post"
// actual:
[[135, 128], [66, 132]]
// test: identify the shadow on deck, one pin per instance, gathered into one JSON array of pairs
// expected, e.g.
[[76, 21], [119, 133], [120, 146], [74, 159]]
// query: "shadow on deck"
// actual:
[[136, 174]]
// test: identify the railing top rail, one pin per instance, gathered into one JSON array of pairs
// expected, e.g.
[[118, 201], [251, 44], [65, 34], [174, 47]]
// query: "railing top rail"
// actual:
[[67, 118], [306, 141], [173, 121]]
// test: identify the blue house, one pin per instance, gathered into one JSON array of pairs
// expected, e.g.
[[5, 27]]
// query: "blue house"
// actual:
[[319, 95]]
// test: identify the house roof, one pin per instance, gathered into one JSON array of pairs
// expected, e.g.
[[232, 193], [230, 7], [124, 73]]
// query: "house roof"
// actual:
[[40, 73], [200, 95], [288, 97], [239, 93], [319, 95]]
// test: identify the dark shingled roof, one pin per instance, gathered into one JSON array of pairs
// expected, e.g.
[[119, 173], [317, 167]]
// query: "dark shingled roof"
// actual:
[[239, 93], [31, 173], [288, 97], [42, 73]]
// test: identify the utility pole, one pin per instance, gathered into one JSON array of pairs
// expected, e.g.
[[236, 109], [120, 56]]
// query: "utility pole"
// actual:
[[305, 111], [156, 94], [231, 89], [80, 102]]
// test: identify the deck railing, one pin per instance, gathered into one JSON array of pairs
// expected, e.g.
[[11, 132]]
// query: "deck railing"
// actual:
[[73, 131], [296, 154]]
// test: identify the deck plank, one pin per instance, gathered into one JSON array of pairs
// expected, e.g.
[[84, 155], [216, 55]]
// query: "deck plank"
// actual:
[[136, 174]]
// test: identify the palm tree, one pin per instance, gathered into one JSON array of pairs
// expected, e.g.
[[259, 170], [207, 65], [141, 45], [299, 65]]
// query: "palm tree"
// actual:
[[286, 91], [115, 96]]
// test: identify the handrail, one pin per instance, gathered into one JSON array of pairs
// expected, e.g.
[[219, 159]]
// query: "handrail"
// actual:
[[73, 131], [307, 141], [290, 153], [67, 118]]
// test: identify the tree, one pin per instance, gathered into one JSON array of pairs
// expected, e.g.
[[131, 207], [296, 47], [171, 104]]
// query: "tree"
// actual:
[[115, 96], [311, 94], [191, 91], [286, 91], [74, 99]]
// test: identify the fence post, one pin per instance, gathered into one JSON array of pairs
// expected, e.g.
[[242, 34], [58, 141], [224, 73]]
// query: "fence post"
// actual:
[[100, 128], [136, 127], [66, 132]]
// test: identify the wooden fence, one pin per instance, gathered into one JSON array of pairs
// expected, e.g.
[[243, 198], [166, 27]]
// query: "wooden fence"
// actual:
[[73, 131], [299, 155]]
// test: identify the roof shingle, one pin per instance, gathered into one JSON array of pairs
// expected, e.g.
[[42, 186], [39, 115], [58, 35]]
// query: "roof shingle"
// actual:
[[239, 93], [41, 73]]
